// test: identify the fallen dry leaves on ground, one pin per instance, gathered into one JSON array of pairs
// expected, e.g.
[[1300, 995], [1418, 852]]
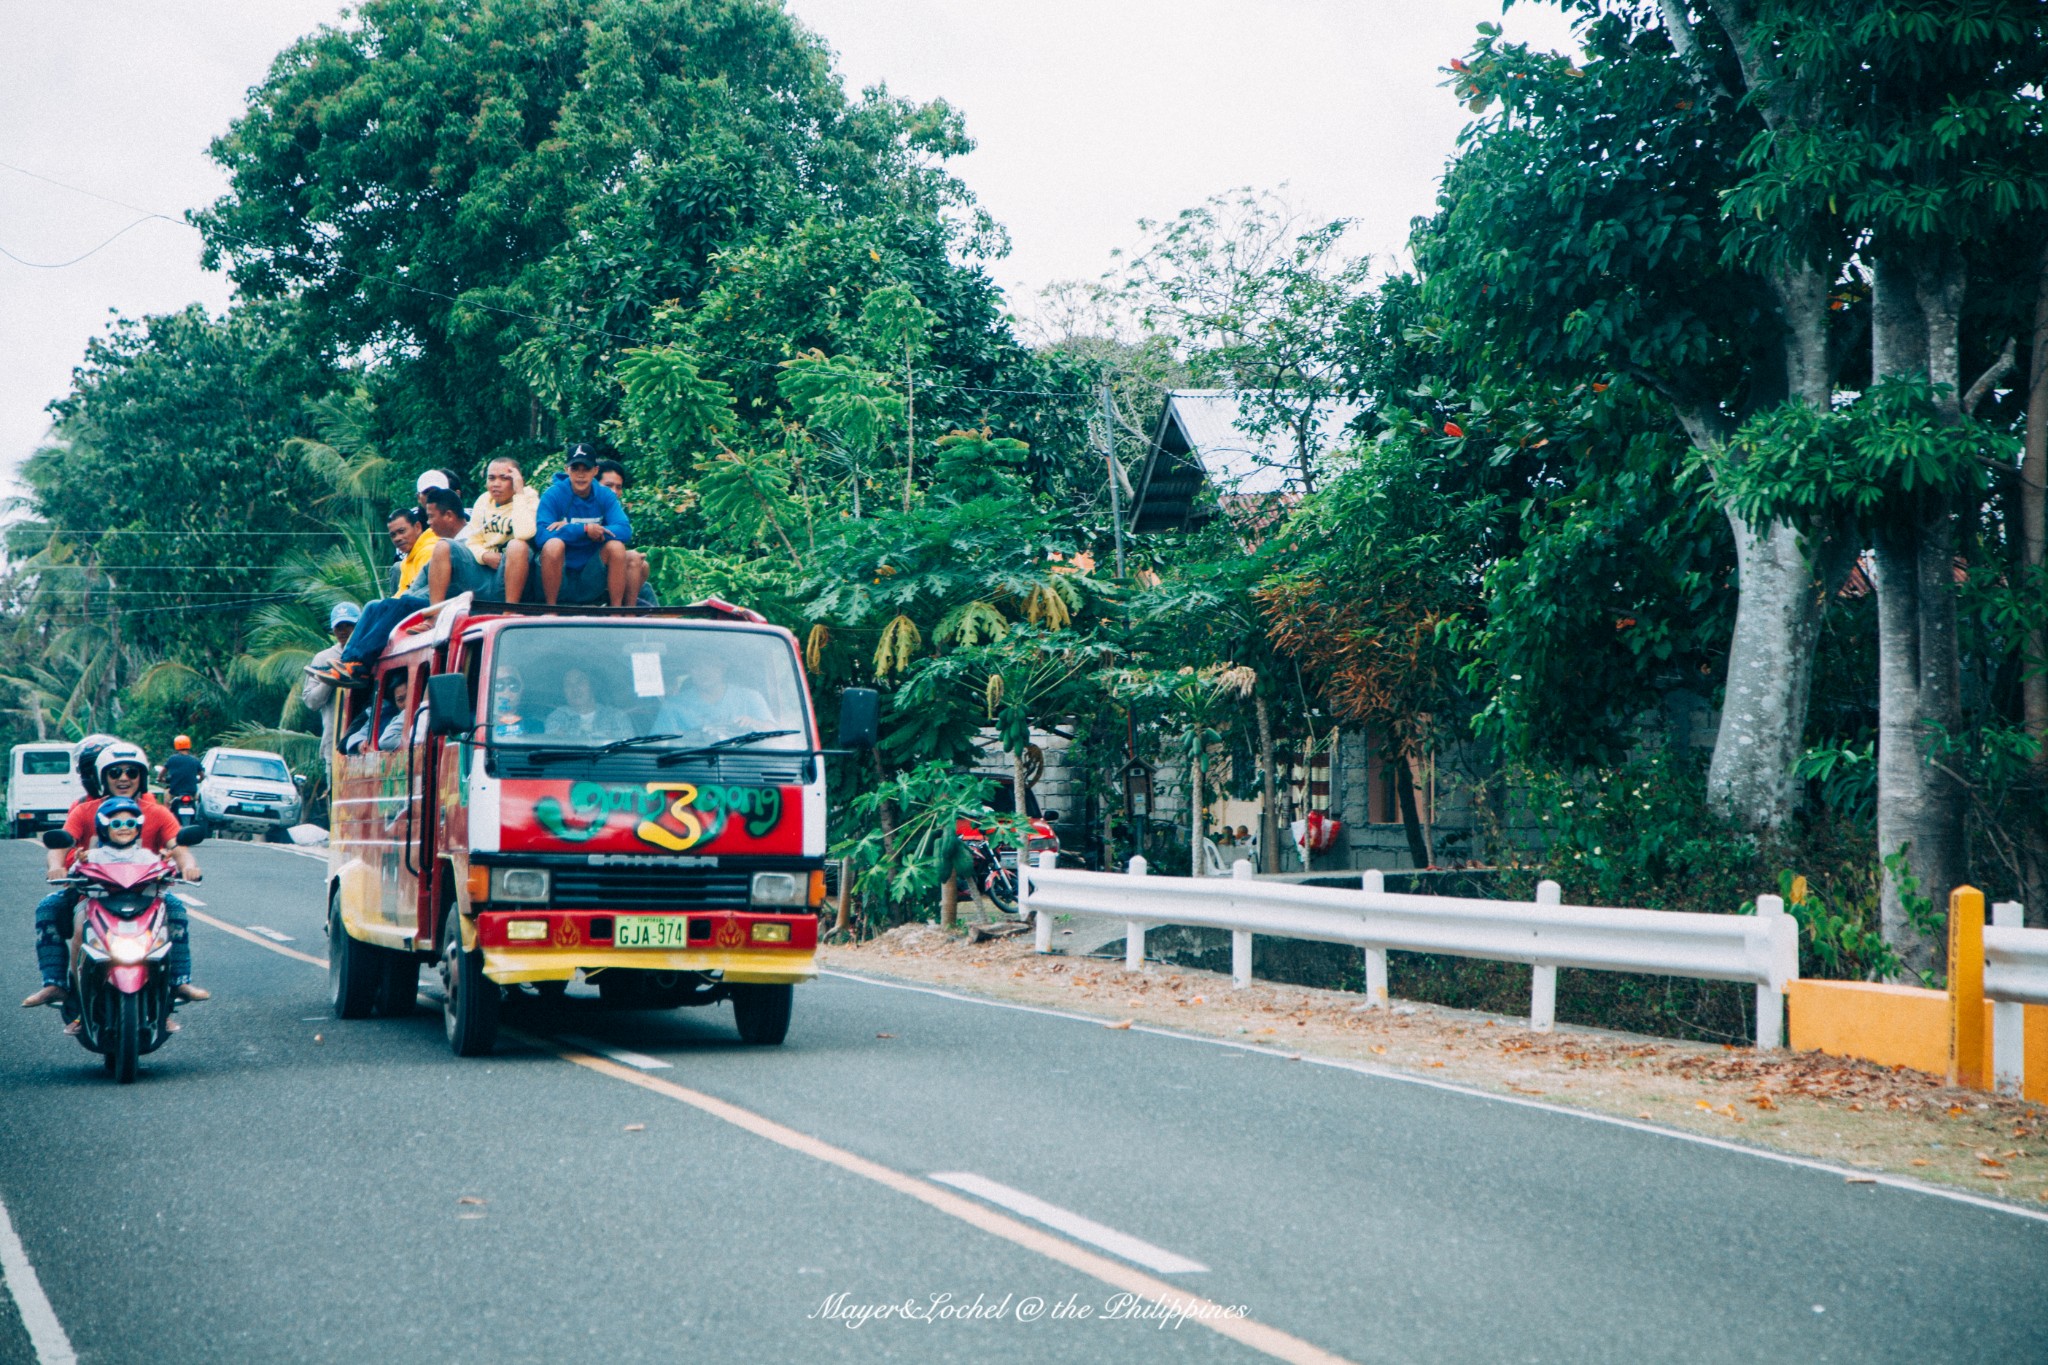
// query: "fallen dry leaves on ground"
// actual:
[[1849, 1112]]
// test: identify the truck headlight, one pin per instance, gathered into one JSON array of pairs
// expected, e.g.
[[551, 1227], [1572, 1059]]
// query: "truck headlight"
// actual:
[[769, 933], [778, 888], [526, 885]]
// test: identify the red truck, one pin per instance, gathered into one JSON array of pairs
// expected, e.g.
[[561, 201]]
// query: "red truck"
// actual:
[[633, 794]]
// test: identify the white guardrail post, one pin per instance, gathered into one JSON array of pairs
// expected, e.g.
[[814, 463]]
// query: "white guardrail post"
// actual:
[[2008, 1019], [1770, 999], [1134, 930], [1543, 977], [1375, 883], [1042, 923], [1241, 939]]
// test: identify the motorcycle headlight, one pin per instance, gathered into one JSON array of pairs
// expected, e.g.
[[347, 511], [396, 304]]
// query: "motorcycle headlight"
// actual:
[[778, 888], [128, 949]]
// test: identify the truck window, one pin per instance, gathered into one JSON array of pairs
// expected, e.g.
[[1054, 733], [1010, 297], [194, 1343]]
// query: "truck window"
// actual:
[[598, 684], [46, 763]]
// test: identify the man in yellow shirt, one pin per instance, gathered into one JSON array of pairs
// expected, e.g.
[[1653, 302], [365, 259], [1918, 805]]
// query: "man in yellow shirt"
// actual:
[[494, 555], [415, 541]]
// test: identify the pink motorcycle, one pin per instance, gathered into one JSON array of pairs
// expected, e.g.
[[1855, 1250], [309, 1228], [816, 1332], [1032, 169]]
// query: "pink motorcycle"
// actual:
[[120, 991]]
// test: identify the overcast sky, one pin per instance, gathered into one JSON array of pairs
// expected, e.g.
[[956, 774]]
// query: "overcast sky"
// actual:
[[1088, 115]]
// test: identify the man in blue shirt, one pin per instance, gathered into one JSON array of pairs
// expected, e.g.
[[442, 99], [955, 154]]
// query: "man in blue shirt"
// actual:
[[583, 536]]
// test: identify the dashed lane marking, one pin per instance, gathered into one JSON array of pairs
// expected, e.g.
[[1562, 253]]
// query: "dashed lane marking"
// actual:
[[639, 1061], [239, 932], [1073, 1224]]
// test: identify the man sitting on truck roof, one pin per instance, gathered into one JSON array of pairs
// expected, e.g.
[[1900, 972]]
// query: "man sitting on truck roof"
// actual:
[[583, 536], [421, 546], [613, 475], [502, 525]]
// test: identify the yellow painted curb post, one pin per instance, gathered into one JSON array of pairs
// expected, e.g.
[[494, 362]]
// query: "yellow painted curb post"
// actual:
[[1966, 989]]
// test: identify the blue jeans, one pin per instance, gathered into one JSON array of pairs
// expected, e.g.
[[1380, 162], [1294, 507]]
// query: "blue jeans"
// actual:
[[54, 925], [379, 619]]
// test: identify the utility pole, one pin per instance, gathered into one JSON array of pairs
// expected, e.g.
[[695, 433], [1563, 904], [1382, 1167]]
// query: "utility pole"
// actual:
[[1116, 512]]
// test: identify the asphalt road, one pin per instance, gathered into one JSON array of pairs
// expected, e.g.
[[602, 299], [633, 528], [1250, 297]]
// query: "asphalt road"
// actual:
[[279, 1185]]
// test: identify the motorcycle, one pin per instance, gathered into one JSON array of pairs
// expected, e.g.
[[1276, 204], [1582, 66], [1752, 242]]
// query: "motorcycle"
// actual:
[[186, 807], [995, 870], [119, 990]]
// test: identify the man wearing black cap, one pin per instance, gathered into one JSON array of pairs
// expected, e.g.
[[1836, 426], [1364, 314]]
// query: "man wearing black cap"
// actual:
[[583, 536]]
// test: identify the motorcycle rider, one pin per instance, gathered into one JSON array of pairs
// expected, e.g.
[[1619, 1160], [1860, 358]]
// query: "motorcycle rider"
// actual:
[[121, 770], [182, 772]]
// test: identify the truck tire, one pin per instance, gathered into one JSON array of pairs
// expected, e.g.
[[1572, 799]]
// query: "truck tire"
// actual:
[[354, 969], [762, 1012], [470, 999]]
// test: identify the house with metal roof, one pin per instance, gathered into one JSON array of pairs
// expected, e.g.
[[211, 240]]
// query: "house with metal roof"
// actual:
[[1205, 456]]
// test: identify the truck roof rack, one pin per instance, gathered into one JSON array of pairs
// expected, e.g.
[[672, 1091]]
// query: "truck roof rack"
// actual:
[[704, 609]]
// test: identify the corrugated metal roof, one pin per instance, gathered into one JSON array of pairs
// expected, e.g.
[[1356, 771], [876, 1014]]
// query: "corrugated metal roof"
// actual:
[[1202, 438]]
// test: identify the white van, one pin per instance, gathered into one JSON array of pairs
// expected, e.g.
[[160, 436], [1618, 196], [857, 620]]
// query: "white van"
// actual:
[[41, 785]]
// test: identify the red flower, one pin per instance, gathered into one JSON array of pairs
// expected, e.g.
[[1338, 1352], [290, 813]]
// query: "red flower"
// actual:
[[1453, 429]]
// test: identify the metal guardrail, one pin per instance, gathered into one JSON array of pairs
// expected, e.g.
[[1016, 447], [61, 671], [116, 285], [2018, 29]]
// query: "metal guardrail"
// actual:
[[1761, 950], [2015, 976]]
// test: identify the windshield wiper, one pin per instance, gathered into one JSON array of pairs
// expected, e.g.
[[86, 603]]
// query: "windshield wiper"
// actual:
[[750, 737], [553, 752]]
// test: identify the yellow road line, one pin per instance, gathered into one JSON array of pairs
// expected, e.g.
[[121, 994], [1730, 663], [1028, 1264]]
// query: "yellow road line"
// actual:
[[1257, 1335], [1246, 1331], [261, 942]]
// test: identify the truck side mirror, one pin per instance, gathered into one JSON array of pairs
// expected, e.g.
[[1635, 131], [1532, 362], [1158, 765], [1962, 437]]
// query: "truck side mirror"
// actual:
[[449, 711], [860, 711], [57, 838]]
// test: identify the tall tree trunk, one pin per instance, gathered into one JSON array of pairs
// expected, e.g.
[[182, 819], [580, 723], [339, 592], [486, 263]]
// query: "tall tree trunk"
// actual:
[[1783, 579], [1020, 792], [1196, 867], [1269, 810], [1778, 606], [2034, 543], [1917, 309]]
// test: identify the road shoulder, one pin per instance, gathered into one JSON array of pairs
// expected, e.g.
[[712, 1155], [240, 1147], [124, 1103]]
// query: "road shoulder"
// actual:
[[1845, 1112]]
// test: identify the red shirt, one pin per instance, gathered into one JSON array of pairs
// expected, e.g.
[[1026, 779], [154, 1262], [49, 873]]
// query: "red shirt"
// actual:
[[159, 826]]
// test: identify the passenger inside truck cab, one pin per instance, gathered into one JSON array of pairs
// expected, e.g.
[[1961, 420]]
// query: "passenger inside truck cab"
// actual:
[[583, 715], [391, 733], [709, 705], [508, 703]]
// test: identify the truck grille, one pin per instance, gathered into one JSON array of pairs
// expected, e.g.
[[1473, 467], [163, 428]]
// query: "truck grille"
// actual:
[[651, 888]]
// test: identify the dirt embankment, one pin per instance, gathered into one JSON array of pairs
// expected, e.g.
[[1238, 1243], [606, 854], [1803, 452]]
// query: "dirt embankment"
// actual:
[[1864, 1117]]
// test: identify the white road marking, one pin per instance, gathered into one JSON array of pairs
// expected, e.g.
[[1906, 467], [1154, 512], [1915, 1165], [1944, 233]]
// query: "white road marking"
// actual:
[[1071, 1223], [639, 1061], [191, 899], [1387, 1073], [271, 934], [45, 1334]]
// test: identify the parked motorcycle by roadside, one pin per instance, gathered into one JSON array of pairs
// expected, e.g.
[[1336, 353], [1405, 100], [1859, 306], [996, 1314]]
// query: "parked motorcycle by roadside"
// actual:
[[995, 869], [120, 992]]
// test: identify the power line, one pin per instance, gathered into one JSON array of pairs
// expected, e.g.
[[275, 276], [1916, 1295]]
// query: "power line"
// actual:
[[59, 265], [457, 301]]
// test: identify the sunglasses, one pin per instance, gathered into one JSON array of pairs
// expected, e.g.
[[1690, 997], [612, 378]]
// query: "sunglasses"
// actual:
[[124, 822], [124, 774]]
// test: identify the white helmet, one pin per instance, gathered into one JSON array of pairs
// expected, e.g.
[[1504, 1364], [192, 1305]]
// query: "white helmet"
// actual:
[[120, 753]]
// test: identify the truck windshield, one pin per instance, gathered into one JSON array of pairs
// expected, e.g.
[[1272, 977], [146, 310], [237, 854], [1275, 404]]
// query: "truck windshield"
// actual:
[[599, 684], [248, 765]]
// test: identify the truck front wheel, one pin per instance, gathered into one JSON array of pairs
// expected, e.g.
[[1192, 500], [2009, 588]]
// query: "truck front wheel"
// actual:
[[762, 1012], [470, 1008]]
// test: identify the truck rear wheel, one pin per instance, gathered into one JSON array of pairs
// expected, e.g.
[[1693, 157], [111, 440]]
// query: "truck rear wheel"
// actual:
[[762, 1012], [470, 999], [354, 970]]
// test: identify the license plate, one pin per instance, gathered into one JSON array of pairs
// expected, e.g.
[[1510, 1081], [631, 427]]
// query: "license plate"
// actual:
[[651, 931], [252, 810]]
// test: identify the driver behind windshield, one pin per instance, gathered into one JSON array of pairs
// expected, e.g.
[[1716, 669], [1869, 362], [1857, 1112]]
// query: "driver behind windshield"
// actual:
[[582, 717], [709, 706]]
